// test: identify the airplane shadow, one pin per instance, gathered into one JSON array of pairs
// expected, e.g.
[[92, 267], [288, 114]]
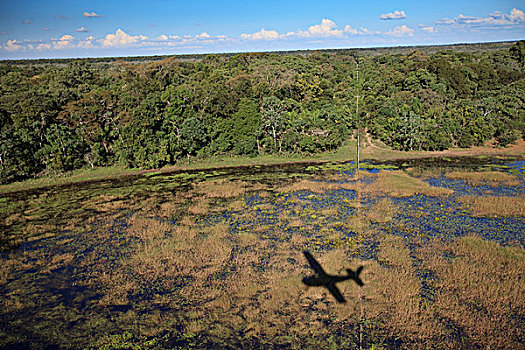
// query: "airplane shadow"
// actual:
[[322, 279]]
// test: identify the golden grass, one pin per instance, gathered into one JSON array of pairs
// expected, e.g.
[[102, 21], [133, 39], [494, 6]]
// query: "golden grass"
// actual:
[[222, 188], [383, 211], [236, 205], [244, 284], [12, 302], [399, 184], [495, 205], [9, 265], [201, 207], [358, 223], [171, 207], [492, 178], [481, 290], [148, 229], [316, 186], [394, 291], [57, 261]]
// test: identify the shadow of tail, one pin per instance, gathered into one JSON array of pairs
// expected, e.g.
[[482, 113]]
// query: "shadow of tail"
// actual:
[[355, 275]]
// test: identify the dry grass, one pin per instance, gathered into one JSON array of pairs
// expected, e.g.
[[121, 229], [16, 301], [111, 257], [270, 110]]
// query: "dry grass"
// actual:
[[399, 184], [394, 295], [9, 265], [358, 223], [223, 188], [148, 229], [316, 186], [171, 207], [495, 205], [240, 284], [481, 290], [202, 207], [58, 261], [383, 211], [492, 178], [12, 302]]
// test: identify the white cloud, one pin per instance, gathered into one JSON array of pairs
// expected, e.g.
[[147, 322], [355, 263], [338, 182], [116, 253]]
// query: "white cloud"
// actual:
[[162, 38], [43, 46], [91, 15], [203, 36], [27, 21], [368, 32], [327, 28], [87, 43], [348, 29], [401, 31], [362, 31], [65, 42], [393, 15], [517, 15], [12, 46], [81, 30], [122, 39], [495, 19], [263, 34], [428, 29]]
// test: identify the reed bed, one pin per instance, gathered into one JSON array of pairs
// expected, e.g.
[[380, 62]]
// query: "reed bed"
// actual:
[[316, 186], [491, 178], [494, 205], [399, 184], [480, 291]]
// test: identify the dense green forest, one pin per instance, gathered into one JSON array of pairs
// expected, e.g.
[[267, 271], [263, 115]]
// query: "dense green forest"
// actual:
[[64, 115]]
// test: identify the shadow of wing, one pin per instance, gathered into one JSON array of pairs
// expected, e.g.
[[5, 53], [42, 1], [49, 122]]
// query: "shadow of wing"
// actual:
[[336, 293], [314, 264]]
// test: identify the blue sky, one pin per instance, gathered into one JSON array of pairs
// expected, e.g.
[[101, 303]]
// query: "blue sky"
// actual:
[[69, 28]]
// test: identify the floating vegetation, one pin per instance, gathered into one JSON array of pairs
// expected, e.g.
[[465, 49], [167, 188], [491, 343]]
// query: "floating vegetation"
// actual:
[[214, 260], [494, 205], [350, 167], [491, 178], [399, 184]]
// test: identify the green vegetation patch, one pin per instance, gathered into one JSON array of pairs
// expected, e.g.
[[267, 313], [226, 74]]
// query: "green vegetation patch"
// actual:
[[491, 178], [399, 184]]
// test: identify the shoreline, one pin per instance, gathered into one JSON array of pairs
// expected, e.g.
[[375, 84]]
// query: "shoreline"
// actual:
[[369, 151]]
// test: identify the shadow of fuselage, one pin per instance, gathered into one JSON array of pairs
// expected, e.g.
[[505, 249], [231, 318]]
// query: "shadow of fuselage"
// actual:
[[322, 279]]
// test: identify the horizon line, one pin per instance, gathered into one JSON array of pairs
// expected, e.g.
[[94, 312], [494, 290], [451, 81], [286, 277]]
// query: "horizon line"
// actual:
[[260, 52]]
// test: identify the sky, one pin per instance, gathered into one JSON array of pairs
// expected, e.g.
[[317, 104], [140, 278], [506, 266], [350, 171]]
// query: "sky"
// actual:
[[95, 28]]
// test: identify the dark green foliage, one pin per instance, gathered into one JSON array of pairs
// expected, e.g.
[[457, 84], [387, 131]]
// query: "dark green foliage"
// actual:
[[65, 114]]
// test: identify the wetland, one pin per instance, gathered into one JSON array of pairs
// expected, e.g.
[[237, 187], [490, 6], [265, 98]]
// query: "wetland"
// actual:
[[214, 258]]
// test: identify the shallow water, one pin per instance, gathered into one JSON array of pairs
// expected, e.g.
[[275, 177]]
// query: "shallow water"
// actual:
[[65, 250]]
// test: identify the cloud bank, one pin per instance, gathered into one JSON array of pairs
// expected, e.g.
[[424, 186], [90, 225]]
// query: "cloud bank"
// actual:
[[393, 15], [92, 15], [496, 19]]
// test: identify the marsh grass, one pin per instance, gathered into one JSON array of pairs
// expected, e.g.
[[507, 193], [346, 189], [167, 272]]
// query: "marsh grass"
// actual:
[[491, 178], [224, 188], [494, 205], [197, 281], [316, 186], [480, 291], [394, 296], [399, 184], [201, 207], [382, 211]]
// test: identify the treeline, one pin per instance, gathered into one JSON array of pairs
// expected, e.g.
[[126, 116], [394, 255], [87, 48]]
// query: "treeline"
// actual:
[[59, 117]]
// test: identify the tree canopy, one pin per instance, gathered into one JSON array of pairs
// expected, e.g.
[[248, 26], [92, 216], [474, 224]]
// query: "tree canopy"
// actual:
[[63, 115]]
